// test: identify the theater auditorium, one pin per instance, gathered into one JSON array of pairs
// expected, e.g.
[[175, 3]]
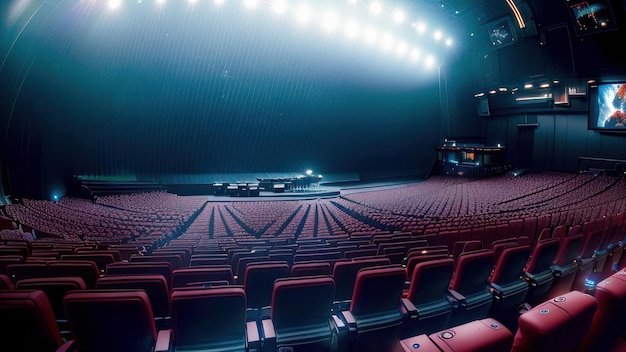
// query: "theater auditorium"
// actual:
[[312, 175]]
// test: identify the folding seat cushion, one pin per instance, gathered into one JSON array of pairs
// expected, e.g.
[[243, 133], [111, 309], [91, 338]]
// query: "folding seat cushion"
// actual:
[[564, 265], [28, 323], [609, 321], [111, 320], [479, 335], [212, 319], [558, 324]]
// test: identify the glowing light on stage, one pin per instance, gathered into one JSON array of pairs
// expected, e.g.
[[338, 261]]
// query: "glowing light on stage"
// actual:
[[304, 14], [371, 35], [160, 2], [279, 6], [386, 42], [401, 48], [114, 4], [420, 27], [192, 2], [449, 42], [352, 2], [430, 62], [218, 2], [376, 8], [330, 21], [309, 172], [251, 4], [399, 16], [352, 29], [415, 55], [438, 35]]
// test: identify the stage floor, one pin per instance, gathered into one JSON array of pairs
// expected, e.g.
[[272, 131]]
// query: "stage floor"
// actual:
[[323, 191]]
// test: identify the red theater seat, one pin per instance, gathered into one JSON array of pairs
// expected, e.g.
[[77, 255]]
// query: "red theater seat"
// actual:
[[558, 324], [376, 315], [28, 323], [112, 320], [212, 320], [300, 315]]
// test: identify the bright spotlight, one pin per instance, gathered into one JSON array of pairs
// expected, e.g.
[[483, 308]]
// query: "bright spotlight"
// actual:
[[309, 172], [429, 62], [420, 27], [438, 35], [279, 6], [218, 2], [371, 35], [251, 4], [415, 54], [330, 21], [401, 48], [160, 2], [386, 42], [114, 4], [352, 2], [449, 42], [351, 29], [192, 2], [304, 14], [376, 7], [399, 16]]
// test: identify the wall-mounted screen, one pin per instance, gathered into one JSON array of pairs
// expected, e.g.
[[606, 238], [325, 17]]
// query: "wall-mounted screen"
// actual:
[[607, 106], [591, 16]]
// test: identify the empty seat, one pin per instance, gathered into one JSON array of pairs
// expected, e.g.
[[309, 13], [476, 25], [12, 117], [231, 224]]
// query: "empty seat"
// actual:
[[174, 259], [344, 274], [212, 319], [428, 292], [311, 269], [538, 272], [28, 323], [101, 259], [21, 271], [376, 314], [142, 268], [87, 270], [112, 320], [155, 287], [564, 266], [470, 287], [55, 289], [259, 284], [199, 276], [558, 324], [300, 315], [508, 286]]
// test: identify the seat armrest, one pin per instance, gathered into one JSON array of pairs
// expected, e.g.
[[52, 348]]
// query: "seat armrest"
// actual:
[[164, 341], [496, 290], [455, 298], [253, 335], [349, 319], [69, 346], [269, 335], [337, 323], [530, 278], [408, 309]]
